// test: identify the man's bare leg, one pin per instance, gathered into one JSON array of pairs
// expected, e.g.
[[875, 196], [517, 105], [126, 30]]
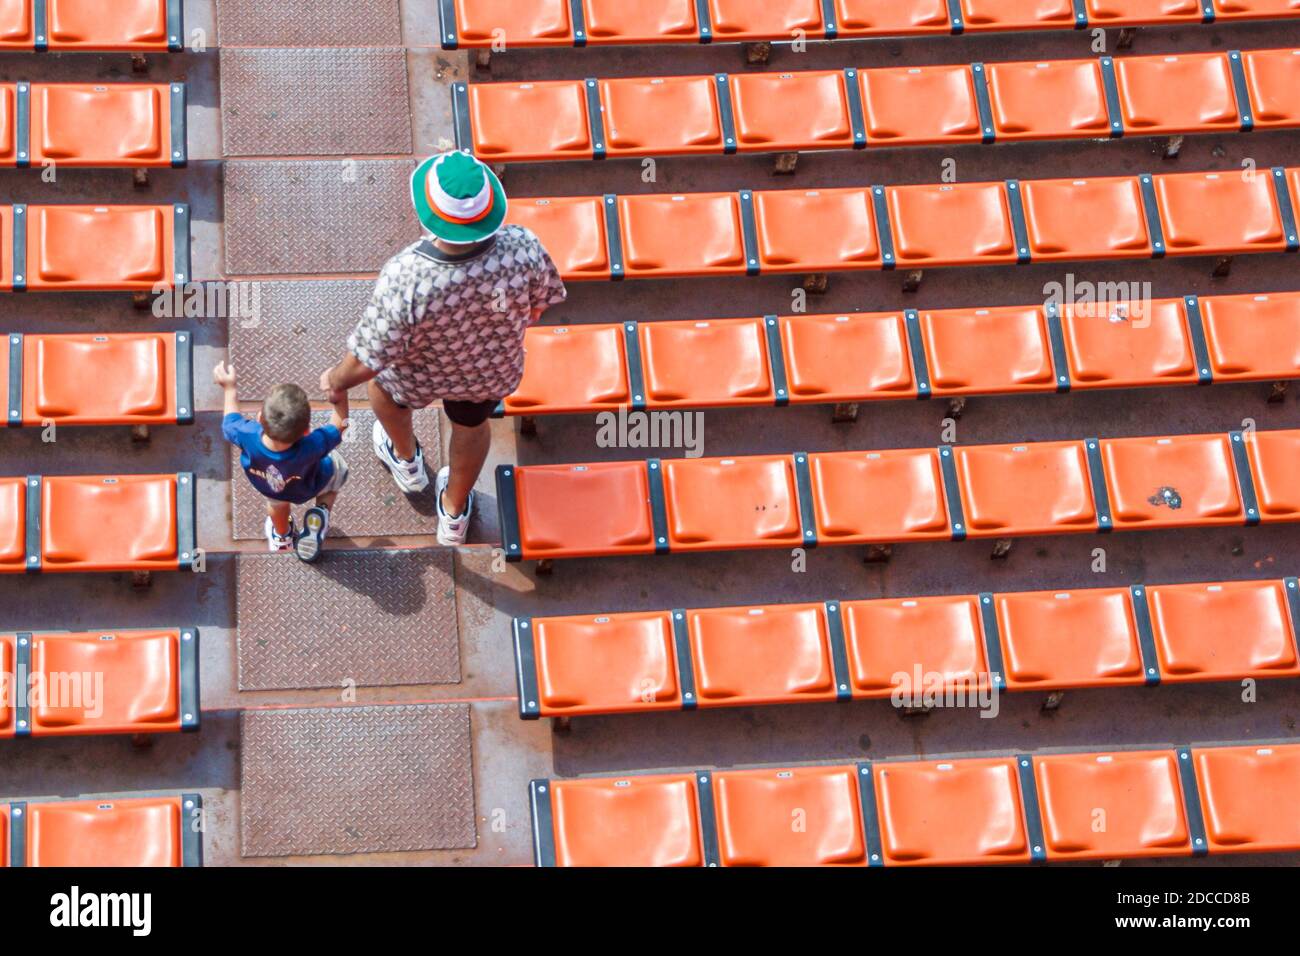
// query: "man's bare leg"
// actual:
[[396, 421], [469, 450], [280, 512]]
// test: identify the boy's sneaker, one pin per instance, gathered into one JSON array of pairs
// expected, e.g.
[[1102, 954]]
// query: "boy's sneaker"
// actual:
[[409, 475], [279, 542], [452, 531], [311, 543]]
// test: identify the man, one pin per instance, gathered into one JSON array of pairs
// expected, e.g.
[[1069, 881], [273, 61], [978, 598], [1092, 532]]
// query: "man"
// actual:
[[446, 322]]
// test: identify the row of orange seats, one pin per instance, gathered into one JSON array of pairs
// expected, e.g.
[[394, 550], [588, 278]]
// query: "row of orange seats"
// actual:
[[129, 832], [1016, 809], [141, 378], [92, 124], [140, 523], [74, 247], [909, 649], [923, 494], [136, 25], [115, 682], [886, 227], [801, 359], [525, 23], [886, 106]]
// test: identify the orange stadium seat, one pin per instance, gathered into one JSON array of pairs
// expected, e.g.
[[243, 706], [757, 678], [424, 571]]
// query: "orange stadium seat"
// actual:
[[718, 362], [1039, 488], [1103, 806], [13, 525], [1172, 482], [1273, 85], [1190, 621], [987, 351], [912, 105], [898, 644], [1061, 99], [108, 832], [1115, 227], [572, 368], [858, 18], [140, 523], [8, 667], [118, 124], [967, 224], [553, 521], [1274, 470], [1052, 640], [512, 22], [857, 357], [816, 229], [17, 29], [1255, 9], [113, 25], [1219, 213], [1138, 12], [959, 812], [682, 235], [1248, 796], [101, 247], [664, 115], [1175, 93], [762, 655], [809, 816], [792, 111], [573, 231], [634, 821], [494, 111], [1117, 344], [745, 20], [144, 378], [982, 15], [1253, 337], [879, 496], [613, 21], [726, 503]]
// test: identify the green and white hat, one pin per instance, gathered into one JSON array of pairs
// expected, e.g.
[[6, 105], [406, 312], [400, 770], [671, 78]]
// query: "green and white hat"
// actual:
[[457, 198]]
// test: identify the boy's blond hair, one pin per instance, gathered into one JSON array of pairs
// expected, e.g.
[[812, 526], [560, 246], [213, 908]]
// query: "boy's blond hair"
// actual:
[[286, 413]]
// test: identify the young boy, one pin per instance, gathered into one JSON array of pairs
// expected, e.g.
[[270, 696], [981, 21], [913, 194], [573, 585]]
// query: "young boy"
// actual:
[[288, 462]]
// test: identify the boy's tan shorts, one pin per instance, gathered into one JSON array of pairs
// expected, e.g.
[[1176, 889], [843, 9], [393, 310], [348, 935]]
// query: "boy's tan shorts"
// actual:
[[340, 475]]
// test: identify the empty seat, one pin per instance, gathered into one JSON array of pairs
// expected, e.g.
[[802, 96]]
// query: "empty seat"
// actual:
[[761, 655], [808, 816], [1274, 459], [878, 496], [1138, 12], [915, 646], [1122, 343], [115, 25], [572, 369], [811, 230], [951, 812], [1040, 488], [16, 27], [105, 247], [1172, 482], [682, 235], [857, 357], [13, 525], [118, 124], [1227, 631], [1219, 213], [141, 379], [987, 351], [725, 503], [119, 523], [603, 664], [773, 19], [495, 108], [584, 509], [1061, 99], [573, 231], [1017, 14], [661, 116], [967, 224], [791, 111], [140, 832], [1103, 806], [614, 21], [910, 105], [8, 667], [1253, 337], [718, 362], [512, 22], [1273, 84], [1177, 93], [1115, 227], [1248, 797], [857, 18], [1255, 9], [1052, 640], [633, 821]]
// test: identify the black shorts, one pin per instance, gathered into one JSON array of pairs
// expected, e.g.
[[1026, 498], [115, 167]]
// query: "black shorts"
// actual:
[[470, 414]]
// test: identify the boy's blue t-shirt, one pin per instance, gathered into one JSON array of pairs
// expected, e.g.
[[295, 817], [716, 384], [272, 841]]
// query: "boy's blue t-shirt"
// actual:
[[297, 474]]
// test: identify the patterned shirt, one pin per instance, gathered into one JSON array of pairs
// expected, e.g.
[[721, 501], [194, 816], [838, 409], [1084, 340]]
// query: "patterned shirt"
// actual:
[[441, 326]]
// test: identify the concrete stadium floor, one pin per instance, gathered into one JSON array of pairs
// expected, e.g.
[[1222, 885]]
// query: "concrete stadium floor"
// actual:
[[508, 751]]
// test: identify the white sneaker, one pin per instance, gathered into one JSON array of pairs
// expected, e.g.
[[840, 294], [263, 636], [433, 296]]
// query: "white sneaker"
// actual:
[[452, 532], [315, 526], [279, 542], [409, 475]]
